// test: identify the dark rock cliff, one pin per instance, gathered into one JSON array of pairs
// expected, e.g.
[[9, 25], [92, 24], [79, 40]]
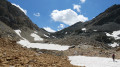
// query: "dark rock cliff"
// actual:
[[15, 19]]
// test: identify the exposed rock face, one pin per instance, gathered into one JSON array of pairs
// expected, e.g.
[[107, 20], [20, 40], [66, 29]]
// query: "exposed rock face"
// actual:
[[112, 14], [7, 32], [93, 30], [15, 19]]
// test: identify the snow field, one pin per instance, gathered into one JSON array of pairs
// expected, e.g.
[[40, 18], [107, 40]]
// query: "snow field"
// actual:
[[93, 61], [26, 43], [116, 36]]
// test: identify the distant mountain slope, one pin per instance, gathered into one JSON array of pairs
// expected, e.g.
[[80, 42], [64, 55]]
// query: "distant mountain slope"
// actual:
[[7, 32], [15, 19], [95, 29], [108, 19]]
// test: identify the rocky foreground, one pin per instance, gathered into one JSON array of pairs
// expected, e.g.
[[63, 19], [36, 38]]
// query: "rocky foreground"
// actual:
[[84, 50], [14, 55]]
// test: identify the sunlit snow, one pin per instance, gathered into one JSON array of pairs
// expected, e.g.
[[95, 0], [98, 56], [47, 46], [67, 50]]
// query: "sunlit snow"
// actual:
[[46, 35], [36, 37], [66, 32], [115, 34], [84, 29], [95, 30], [114, 44], [93, 61], [18, 32], [46, 46], [25, 43]]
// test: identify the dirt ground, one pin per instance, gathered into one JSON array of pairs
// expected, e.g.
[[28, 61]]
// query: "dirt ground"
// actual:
[[87, 50], [14, 55]]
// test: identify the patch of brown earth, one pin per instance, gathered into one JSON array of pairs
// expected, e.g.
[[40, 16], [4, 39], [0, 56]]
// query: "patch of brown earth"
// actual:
[[88, 50], [14, 55]]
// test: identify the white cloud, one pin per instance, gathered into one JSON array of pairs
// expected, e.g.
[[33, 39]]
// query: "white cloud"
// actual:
[[77, 7], [36, 14], [67, 16], [25, 11], [49, 29], [82, 1], [60, 27]]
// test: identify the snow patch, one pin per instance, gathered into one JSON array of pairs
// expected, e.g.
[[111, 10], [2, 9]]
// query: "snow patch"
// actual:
[[93, 61], [36, 37], [115, 34], [18, 32], [26, 43], [46, 35], [83, 29], [114, 44], [53, 36], [66, 32], [95, 30]]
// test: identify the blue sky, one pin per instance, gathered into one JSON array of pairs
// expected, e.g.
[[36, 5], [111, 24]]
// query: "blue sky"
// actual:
[[58, 14]]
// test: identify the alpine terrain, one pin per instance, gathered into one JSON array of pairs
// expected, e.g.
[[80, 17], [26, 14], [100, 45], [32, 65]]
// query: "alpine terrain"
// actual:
[[83, 44]]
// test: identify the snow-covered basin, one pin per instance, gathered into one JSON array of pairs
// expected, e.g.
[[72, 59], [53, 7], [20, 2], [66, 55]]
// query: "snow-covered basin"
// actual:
[[26, 43], [46, 46], [93, 61]]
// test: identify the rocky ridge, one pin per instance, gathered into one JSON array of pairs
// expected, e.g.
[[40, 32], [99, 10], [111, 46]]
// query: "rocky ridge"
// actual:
[[12, 17], [93, 31]]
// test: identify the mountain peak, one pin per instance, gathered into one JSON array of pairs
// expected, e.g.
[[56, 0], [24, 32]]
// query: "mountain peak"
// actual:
[[12, 18], [112, 8]]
